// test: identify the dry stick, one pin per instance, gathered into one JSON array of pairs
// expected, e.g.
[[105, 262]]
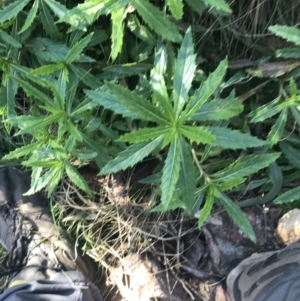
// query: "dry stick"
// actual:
[[166, 263], [200, 274]]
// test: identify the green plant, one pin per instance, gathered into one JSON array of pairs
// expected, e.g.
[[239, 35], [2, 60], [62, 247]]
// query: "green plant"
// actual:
[[176, 119]]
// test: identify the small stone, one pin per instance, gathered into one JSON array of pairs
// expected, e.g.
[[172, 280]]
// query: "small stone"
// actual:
[[288, 229]]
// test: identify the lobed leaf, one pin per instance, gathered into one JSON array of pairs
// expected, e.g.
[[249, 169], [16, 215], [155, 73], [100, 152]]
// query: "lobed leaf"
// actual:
[[76, 177], [30, 17], [158, 82], [237, 216], [130, 156], [110, 102], [245, 166], [144, 134], [34, 92], [23, 150], [278, 128], [218, 5], [48, 21], [291, 34], [233, 139], [176, 8], [229, 184], [75, 52], [291, 154], [221, 109], [288, 196], [58, 9], [155, 19], [117, 32], [170, 173], [136, 104], [184, 72], [205, 91], [9, 39], [208, 205], [198, 134], [288, 53], [187, 176], [46, 69], [11, 10]]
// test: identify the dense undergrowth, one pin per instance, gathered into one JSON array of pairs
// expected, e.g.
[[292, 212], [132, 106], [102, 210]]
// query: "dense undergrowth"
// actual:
[[208, 88]]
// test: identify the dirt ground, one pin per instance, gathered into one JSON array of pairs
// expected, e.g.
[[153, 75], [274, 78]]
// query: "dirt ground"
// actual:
[[173, 259]]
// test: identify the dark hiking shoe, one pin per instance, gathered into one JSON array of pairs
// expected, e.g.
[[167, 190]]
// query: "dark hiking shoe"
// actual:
[[271, 276], [36, 248]]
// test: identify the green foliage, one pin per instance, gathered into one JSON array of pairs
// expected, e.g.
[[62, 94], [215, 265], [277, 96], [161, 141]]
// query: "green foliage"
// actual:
[[114, 82]]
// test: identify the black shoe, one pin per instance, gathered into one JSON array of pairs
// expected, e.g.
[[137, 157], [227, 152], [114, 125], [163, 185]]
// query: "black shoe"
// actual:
[[36, 248], [270, 276]]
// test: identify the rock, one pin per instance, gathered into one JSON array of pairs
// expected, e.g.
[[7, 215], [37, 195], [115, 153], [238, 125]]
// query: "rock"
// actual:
[[288, 229]]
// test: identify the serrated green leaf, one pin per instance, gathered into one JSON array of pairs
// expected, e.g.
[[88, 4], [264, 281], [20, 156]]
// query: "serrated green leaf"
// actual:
[[170, 173], [86, 13], [57, 8], [296, 114], [266, 111], [130, 156], [45, 164], [23, 150], [57, 176], [187, 176], [206, 210], [48, 21], [197, 6], [291, 34], [176, 8], [170, 136], [288, 53], [138, 105], [245, 166], [9, 39], [221, 109], [60, 88], [184, 72], [144, 134], [142, 32], [289, 196], [76, 50], [158, 82], [237, 216], [84, 106], [198, 134], [205, 91], [46, 69], [292, 154], [76, 178], [155, 19], [34, 92], [31, 16], [110, 102], [73, 130], [231, 183], [11, 10], [232, 139], [10, 90], [48, 50], [117, 32], [278, 128], [85, 76], [218, 5], [31, 124], [42, 181]]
